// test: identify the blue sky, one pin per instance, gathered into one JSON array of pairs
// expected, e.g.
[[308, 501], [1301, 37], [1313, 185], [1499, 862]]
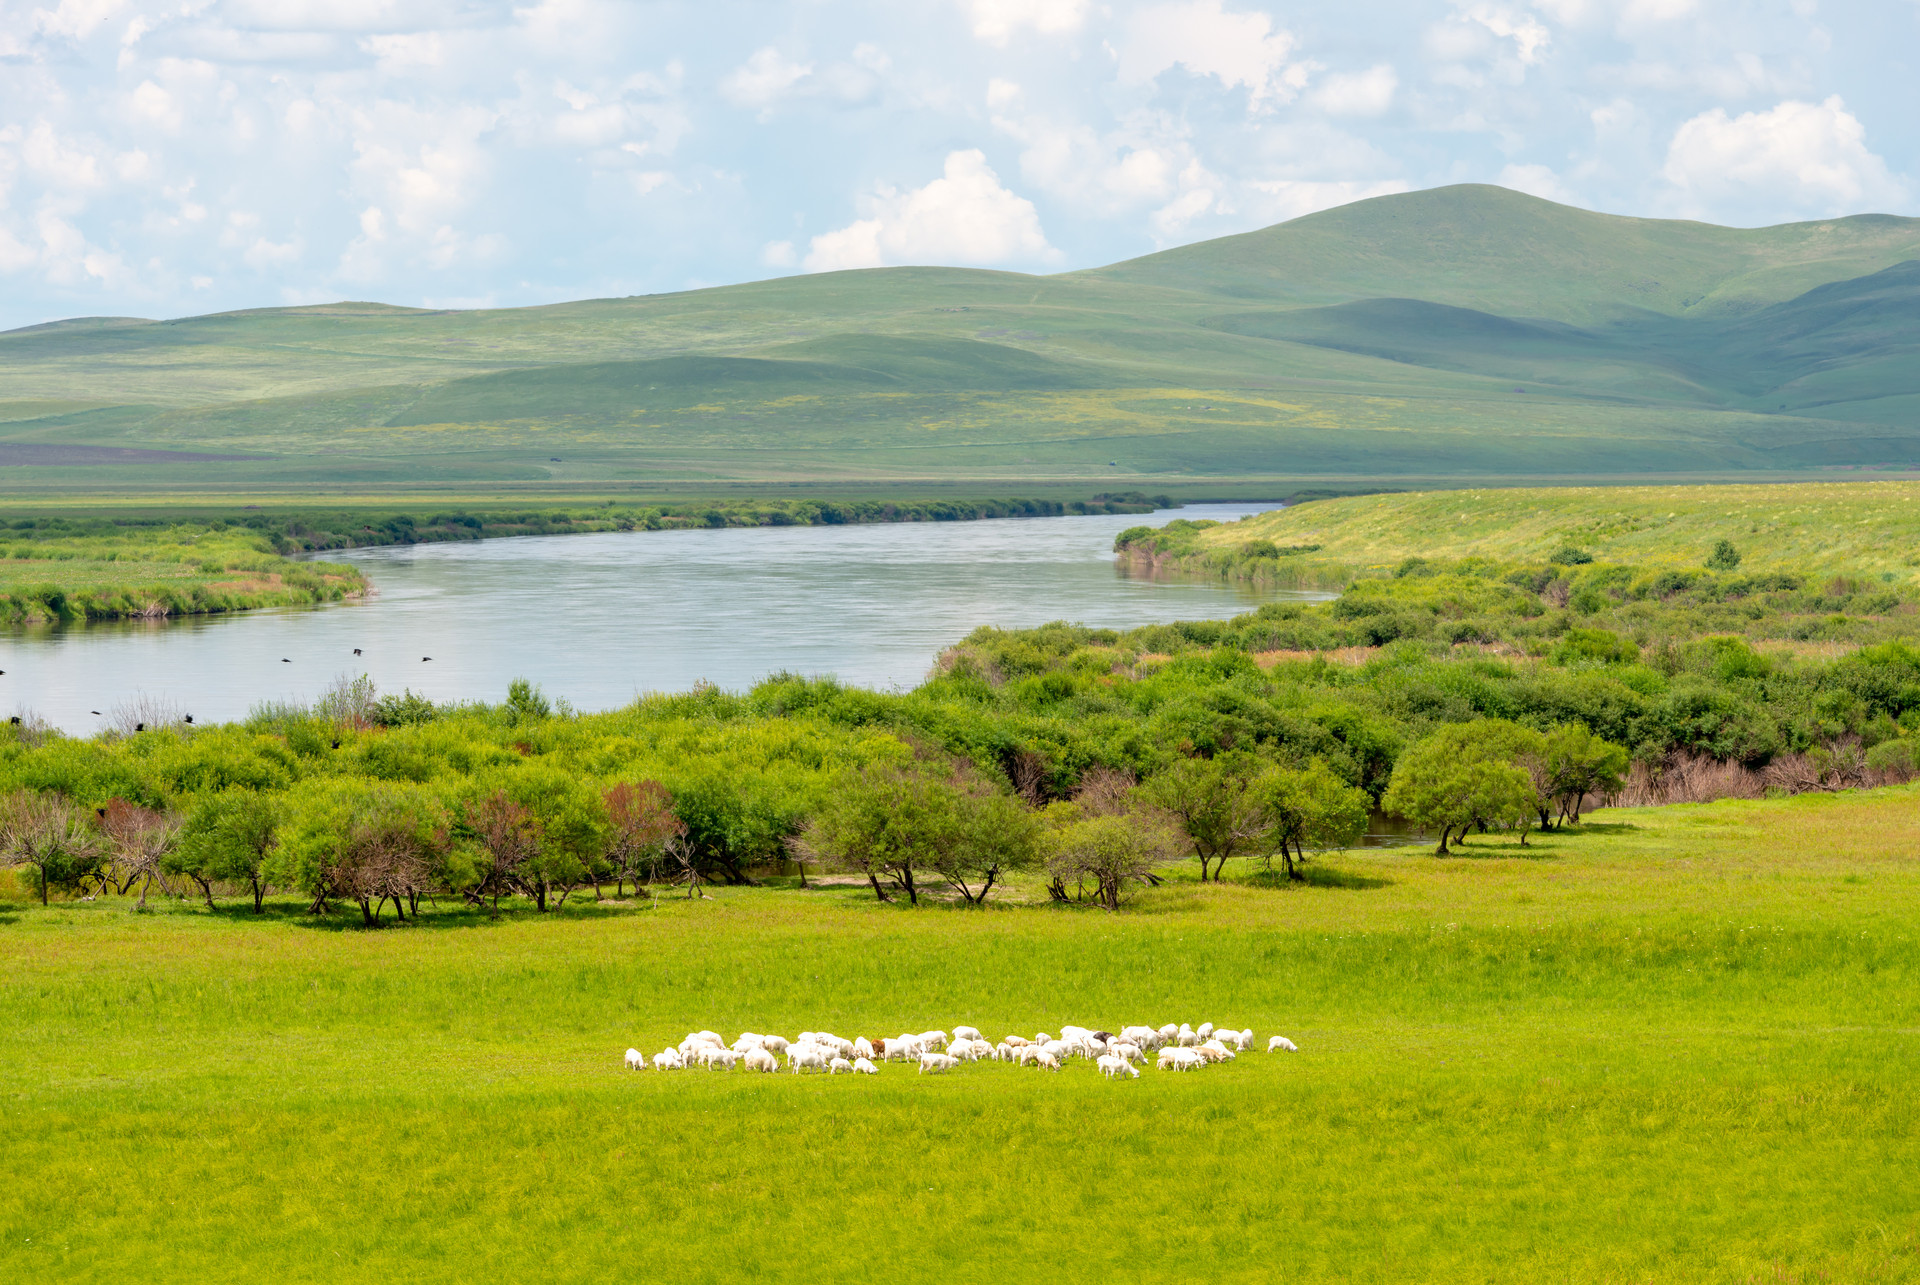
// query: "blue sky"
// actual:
[[168, 159]]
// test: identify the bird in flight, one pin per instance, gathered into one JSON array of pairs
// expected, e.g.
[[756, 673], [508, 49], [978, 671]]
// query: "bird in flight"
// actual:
[[356, 651], [426, 658]]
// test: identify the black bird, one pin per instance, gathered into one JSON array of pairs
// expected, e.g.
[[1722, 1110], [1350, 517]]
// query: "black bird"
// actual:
[[189, 718], [93, 711], [336, 745], [426, 658], [285, 661], [15, 720], [139, 727], [356, 651]]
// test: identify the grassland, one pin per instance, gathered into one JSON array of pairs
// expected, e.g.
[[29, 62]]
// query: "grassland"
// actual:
[[1674, 1045], [1467, 332], [1863, 529]]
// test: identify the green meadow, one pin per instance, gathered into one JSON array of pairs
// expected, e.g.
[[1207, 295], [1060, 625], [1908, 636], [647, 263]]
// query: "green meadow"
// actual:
[[1670, 1044]]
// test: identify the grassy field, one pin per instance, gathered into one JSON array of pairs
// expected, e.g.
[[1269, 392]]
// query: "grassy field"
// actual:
[[1675, 1045], [1466, 332], [1857, 528]]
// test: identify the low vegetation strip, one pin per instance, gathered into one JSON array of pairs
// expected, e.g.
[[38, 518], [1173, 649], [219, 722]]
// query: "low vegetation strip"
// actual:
[[1868, 530], [54, 571]]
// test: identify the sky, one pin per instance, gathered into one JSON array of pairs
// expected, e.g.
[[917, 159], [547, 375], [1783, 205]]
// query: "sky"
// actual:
[[205, 155]]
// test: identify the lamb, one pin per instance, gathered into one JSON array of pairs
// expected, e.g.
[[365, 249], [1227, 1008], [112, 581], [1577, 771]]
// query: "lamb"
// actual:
[[965, 1033], [800, 1056], [636, 1060], [1046, 1061], [838, 1065], [1281, 1043], [1111, 1066], [938, 1063], [759, 1059], [862, 1046], [864, 1066], [668, 1060]]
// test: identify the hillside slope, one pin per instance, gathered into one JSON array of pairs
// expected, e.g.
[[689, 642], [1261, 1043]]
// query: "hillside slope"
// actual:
[[1464, 332]]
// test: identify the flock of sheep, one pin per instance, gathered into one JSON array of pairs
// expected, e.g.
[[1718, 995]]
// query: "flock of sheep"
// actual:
[[1180, 1048]]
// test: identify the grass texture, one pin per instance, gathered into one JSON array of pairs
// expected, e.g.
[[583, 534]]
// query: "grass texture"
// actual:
[[1465, 332], [1859, 528], [1674, 1045]]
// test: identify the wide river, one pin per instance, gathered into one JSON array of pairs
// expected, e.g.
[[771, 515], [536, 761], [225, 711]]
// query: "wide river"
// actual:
[[599, 619]]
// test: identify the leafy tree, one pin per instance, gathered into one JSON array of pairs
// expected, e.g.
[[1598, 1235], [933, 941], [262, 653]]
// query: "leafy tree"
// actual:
[[1724, 556], [140, 838], [504, 835], [227, 837], [1462, 775], [1577, 764], [640, 821], [526, 703], [1216, 802], [572, 832], [1108, 851], [1311, 810]]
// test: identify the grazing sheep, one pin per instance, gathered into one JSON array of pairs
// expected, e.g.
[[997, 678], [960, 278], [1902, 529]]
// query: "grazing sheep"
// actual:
[[1206, 1031], [895, 1050], [1046, 1061], [1068, 1034], [668, 1060], [636, 1060], [760, 1060], [1043, 1039], [1017, 1041], [1139, 1036], [934, 1040], [774, 1044], [800, 1056], [1056, 1050], [1169, 1033], [862, 1046], [1125, 1051], [838, 1065], [972, 1050], [834, 1045], [1111, 1067], [748, 1040], [1241, 1039], [1179, 1059], [1027, 1053], [723, 1058], [864, 1066], [1003, 1052], [938, 1063], [1188, 1037], [1281, 1043], [699, 1040], [965, 1033], [1215, 1051]]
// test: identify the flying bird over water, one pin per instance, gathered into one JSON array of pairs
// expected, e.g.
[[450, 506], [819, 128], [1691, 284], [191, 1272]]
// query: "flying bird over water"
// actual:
[[426, 658], [93, 711], [285, 661], [356, 651]]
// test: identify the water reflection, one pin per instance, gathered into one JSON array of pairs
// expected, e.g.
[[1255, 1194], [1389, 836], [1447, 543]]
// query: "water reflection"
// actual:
[[598, 619]]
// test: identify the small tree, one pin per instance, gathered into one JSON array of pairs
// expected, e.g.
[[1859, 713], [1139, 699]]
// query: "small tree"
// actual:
[[227, 837], [504, 835], [1217, 803], [1724, 556], [53, 839], [1578, 763], [640, 821], [1462, 775], [1110, 850], [140, 839], [1311, 810], [894, 823]]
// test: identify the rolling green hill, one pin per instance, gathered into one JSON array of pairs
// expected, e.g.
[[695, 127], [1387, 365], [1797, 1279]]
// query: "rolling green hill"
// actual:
[[1462, 333]]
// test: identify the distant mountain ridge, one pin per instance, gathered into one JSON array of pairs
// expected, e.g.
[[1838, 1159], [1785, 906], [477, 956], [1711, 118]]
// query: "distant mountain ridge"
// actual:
[[1463, 331]]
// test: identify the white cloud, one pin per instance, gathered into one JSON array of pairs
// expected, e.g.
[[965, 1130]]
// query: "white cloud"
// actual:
[[1798, 157], [965, 216], [1282, 199], [1537, 180], [76, 19], [779, 254], [996, 21], [1242, 50], [1359, 93], [764, 79]]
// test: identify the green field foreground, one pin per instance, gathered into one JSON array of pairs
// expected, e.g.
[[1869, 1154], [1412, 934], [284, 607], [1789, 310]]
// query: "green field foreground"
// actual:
[[1674, 1045]]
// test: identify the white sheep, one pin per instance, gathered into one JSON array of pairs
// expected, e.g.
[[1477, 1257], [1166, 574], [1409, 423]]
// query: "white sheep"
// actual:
[[838, 1065], [834, 1045], [1068, 1034], [1125, 1051], [969, 1051], [800, 1056], [895, 1050], [668, 1060], [723, 1058], [1056, 1050], [758, 1059], [636, 1060], [1141, 1037], [934, 1040], [1017, 1041], [864, 1066], [1215, 1051], [965, 1033], [1111, 1066], [1169, 1033], [1028, 1053], [748, 1040], [1180, 1058], [938, 1063], [700, 1039], [1242, 1040], [1046, 1061], [774, 1044], [1043, 1039], [1281, 1043], [1003, 1052], [1206, 1031], [1188, 1037], [862, 1047]]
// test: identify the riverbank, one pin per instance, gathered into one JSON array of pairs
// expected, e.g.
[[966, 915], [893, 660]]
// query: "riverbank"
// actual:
[[66, 567]]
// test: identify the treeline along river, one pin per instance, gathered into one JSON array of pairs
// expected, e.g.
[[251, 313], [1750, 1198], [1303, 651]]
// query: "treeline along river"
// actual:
[[598, 619]]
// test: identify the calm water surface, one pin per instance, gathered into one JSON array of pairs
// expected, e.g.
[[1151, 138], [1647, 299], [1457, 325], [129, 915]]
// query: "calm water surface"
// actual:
[[598, 619]]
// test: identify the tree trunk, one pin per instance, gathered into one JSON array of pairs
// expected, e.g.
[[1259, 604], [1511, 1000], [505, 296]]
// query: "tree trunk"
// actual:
[[879, 893], [913, 893], [259, 895], [1441, 851]]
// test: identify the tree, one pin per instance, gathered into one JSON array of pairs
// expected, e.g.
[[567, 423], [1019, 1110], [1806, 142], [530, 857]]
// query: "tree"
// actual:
[[504, 835], [1462, 775], [1724, 556], [52, 838], [1578, 763], [227, 836], [640, 821], [572, 832], [1216, 802], [140, 838], [1311, 810], [1110, 851]]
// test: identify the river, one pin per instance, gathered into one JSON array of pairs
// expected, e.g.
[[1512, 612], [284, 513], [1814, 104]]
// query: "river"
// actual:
[[599, 619]]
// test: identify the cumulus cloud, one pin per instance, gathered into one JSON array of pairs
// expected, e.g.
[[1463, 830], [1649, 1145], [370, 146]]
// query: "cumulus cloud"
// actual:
[[764, 79], [998, 21], [1241, 50], [1358, 93], [1798, 157], [963, 217]]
